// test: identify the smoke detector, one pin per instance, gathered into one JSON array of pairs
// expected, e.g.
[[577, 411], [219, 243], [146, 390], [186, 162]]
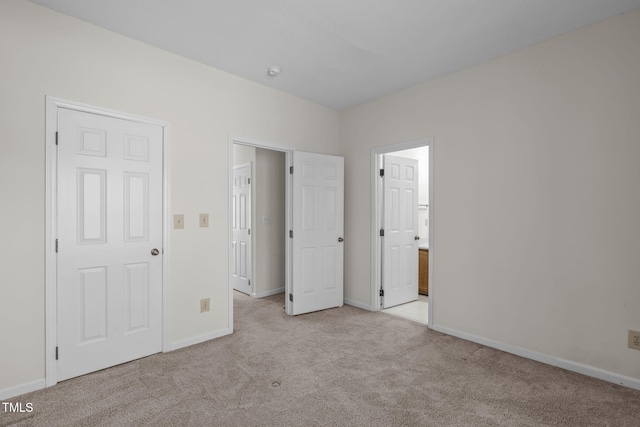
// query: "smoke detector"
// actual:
[[273, 71]]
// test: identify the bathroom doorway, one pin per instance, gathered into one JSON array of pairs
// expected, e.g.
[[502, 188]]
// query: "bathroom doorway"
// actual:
[[401, 280]]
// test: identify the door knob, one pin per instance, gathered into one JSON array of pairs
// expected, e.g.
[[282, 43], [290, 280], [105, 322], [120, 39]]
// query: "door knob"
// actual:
[[340, 239], [154, 252], [416, 238]]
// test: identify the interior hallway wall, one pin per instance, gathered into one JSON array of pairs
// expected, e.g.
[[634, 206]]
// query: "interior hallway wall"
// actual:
[[47, 53], [270, 234], [537, 209]]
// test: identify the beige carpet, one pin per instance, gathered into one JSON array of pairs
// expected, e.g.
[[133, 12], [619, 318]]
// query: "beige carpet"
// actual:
[[342, 367]]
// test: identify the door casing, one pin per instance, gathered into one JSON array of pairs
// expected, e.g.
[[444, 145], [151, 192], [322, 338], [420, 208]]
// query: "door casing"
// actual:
[[376, 218], [52, 105]]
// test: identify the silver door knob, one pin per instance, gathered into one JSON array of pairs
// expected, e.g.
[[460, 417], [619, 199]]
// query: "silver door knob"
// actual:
[[416, 238], [340, 239], [154, 252]]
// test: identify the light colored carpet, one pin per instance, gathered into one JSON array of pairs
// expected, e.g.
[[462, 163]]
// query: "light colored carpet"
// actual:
[[341, 367]]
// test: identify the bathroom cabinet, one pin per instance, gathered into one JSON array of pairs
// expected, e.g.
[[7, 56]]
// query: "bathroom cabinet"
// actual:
[[423, 272]]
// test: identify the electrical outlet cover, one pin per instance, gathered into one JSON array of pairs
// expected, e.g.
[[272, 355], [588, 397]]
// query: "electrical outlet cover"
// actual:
[[634, 339], [178, 222]]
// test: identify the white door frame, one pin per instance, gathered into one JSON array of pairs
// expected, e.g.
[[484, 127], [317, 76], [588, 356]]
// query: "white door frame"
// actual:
[[376, 218], [288, 214], [51, 308]]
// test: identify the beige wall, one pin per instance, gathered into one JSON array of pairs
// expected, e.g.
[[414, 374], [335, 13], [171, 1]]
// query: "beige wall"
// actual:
[[243, 154], [537, 208], [536, 212], [46, 53]]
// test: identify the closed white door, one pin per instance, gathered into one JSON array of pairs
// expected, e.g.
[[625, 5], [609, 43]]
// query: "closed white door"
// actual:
[[109, 276], [318, 230], [400, 225], [241, 229]]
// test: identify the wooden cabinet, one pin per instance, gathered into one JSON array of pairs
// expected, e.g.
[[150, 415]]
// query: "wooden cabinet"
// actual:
[[423, 272]]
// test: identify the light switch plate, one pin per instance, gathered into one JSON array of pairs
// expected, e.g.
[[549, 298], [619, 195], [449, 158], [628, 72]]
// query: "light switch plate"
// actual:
[[204, 220], [178, 222]]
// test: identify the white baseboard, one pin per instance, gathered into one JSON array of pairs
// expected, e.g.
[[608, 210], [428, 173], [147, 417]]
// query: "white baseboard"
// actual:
[[569, 365], [268, 293], [199, 339], [358, 304], [17, 390]]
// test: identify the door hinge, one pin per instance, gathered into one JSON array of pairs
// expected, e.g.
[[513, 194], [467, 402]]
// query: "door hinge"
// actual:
[[381, 172], [382, 232], [291, 234], [381, 292], [56, 353], [56, 137], [249, 280], [56, 245], [248, 180], [291, 170], [291, 297], [249, 231]]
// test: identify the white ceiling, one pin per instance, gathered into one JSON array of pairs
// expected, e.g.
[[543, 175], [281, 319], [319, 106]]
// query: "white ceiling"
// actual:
[[341, 53]]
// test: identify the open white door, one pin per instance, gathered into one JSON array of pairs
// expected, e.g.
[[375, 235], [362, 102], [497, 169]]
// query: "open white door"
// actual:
[[400, 225], [318, 227], [241, 229], [109, 244]]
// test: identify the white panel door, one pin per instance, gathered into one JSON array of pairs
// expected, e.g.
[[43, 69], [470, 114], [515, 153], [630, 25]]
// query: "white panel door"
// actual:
[[400, 224], [241, 229], [318, 230], [109, 282]]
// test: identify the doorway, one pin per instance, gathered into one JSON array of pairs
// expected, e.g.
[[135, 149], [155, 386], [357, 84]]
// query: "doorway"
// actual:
[[270, 214], [313, 231], [415, 256], [258, 221]]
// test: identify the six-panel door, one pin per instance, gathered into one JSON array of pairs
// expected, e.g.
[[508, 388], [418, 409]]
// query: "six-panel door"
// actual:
[[318, 231], [109, 284], [241, 229], [400, 224]]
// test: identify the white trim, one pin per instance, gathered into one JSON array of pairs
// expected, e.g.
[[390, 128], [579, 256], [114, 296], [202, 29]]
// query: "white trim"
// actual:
[[288, 150], [376, 246], [569, 365], [166, 231], [199, 339], [19, 389], [51, 232], [358, 304], [432, 216], [268, 293], [52, 105]]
